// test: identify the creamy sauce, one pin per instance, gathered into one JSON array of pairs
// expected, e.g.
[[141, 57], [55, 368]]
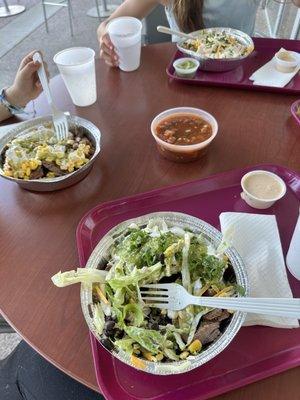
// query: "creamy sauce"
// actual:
[[263, 186], [285, 56]]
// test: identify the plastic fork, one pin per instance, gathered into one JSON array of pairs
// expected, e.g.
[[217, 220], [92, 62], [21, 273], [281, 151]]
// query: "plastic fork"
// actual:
[[168, 31], [174, 297], [60, 121]]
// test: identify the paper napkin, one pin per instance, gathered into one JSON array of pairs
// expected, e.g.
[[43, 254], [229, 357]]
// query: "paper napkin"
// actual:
[[268, 75], [257, 240]]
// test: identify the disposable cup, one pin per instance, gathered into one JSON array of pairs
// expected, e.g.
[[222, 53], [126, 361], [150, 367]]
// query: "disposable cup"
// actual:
[[77, 68], [125, 34]]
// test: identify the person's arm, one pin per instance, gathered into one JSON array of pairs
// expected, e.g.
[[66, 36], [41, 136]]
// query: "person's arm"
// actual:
[[297, 3], [133, 8], [26, 86]]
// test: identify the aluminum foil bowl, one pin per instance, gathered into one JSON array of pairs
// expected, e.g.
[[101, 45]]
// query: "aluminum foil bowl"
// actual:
[[61, 182], [219, 65], [196, 225]]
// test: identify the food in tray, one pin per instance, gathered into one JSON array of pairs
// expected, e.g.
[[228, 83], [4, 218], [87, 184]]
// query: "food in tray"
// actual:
[[184, 129], [286, 61], [186, 67], [217, 44], [149, 254], [262, 188], [186, 64], [37, 153]]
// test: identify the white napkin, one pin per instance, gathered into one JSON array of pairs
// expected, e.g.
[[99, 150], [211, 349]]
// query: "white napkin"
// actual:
[[268, 75], [257, 240]]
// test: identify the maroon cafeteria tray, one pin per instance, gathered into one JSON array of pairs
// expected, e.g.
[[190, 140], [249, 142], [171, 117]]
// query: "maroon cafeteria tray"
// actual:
[[257, 351], [238, 78]]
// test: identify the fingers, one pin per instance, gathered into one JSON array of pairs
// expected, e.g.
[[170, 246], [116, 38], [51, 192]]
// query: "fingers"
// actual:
[[30, 68], [107, 51], [27, 59]]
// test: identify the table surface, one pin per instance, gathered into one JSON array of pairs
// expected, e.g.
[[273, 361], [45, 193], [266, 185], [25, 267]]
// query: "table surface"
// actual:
[[38, 229]]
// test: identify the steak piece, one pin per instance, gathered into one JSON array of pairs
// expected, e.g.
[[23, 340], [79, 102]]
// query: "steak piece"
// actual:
[[207, 332], [37, 173], [52, 167], [216, 315]]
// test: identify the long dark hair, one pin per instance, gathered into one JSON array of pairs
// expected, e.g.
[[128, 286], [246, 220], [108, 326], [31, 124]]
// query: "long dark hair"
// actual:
[[188, 14]]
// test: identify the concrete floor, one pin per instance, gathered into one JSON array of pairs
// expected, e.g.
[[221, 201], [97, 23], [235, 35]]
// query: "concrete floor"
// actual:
[[84, 35]]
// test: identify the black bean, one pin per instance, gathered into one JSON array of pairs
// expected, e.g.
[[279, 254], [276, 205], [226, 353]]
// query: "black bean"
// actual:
[[118, 333], [108, 267], [162, 258], [154, 326], [90, 310], [109, 325], [107, 343]]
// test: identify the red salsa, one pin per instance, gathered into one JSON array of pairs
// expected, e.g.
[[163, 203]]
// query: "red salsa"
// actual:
[[184, 129]]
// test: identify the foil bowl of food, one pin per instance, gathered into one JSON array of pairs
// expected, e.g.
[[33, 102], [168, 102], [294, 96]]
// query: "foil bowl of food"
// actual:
[[32, 156], [218, 49], [148, 249]]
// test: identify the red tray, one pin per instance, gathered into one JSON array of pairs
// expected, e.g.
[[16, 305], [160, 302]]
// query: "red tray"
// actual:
[[238, 78], [257, 352]]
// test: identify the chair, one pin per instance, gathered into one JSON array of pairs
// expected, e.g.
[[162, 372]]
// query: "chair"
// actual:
[[4, 327], [156, 17], [64, 3]]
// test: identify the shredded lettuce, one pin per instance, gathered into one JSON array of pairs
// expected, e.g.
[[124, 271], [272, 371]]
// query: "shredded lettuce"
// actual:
[[98, 318], [82, 275], [138, 276], [185, 272], [134, 313], [151, 340], [125, 345]]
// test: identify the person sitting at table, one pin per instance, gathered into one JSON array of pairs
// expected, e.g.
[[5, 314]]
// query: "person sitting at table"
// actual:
[[26, 375], [26, 87], [187, 16]]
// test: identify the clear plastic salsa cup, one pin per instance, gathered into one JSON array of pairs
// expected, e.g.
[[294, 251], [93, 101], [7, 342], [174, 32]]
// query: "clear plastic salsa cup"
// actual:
[[187, 152]]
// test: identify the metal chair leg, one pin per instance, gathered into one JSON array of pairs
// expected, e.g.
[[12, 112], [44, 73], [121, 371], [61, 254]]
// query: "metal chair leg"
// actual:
[[70, 17], [45, 16], [98, 10], [105, 5]]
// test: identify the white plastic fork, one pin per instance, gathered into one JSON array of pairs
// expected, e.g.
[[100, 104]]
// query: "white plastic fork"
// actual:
[[60, 121], [174, 297], [168, 31]]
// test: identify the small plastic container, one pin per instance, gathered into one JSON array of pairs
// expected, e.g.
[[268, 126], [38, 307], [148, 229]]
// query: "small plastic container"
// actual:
[[186, 72], [183, 153], [286, 61], [295, 110], [261, 203]]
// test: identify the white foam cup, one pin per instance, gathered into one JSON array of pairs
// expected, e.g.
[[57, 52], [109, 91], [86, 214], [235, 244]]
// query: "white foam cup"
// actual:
[[77, 68], [125, 34]]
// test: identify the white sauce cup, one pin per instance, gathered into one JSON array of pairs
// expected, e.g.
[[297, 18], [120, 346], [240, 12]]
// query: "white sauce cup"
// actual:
[[261, 203], [284, 65]]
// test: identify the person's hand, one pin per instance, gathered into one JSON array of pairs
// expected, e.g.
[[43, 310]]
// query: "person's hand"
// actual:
[[26, 86], [107, 50]]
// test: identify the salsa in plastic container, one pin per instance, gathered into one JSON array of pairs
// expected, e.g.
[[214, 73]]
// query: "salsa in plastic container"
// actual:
[[188, 149]]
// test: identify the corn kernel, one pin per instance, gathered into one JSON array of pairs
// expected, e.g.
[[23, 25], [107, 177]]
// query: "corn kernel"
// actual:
[[148, 356], [137, 362], [184, 355], [195, 346], [159, 357]]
